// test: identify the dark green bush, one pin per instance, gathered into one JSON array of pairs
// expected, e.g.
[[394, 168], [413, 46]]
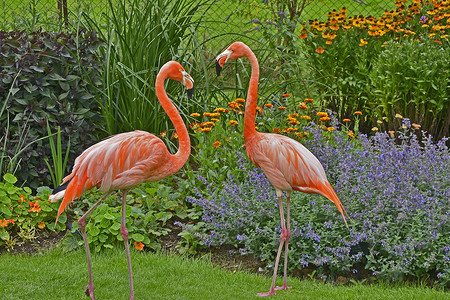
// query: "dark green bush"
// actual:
[[45, 75]]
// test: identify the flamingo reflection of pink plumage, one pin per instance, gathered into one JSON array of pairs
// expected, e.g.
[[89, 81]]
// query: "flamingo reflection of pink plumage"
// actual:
[[126, 160], [287, 164]]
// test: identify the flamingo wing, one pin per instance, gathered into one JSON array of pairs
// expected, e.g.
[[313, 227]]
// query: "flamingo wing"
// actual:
[[121, 161], [287, 163]]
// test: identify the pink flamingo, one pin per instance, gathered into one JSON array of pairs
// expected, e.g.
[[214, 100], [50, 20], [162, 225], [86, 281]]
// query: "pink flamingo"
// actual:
[[125, 160], [287, 164]]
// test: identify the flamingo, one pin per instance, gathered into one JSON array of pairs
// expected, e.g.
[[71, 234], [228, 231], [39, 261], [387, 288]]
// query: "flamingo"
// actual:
[[125, 160], [287, 164]]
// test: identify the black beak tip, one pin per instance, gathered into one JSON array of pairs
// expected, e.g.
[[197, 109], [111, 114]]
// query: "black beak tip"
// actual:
[[190, 92], [218, 68]]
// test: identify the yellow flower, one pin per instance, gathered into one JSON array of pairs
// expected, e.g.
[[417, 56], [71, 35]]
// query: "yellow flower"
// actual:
[[268, 105], [215, 120], [374, 128], [346, 120], [306, 117], [358, 112], [195, 115], [233, 122], [217, 144], [363, 42], [324, 119], [330, 128], [240, 100], [322, 114], [221, 110], [399, 116], [206, 129]]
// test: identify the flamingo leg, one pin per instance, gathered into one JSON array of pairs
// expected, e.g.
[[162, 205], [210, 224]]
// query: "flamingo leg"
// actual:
[[124, 232], [287, 235], [82, 225], [280, 248]]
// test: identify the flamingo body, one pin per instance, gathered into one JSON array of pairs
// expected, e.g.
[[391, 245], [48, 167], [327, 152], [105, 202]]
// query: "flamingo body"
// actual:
[[125, 160], [287, 164]]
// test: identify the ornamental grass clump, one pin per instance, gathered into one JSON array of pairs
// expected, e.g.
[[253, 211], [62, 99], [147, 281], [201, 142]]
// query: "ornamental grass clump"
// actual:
[[395, 189]]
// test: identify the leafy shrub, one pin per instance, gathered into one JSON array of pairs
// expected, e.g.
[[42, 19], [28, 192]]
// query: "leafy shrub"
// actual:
[[396, 63], [149, 207], [22, 214], [396, 194], [47, 73]]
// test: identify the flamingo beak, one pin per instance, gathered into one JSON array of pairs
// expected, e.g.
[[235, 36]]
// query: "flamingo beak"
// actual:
[[221, 60], [188, 83]]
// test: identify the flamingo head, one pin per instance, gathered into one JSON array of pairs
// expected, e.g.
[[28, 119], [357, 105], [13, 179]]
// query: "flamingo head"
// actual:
[[177, 72], [236, 50]]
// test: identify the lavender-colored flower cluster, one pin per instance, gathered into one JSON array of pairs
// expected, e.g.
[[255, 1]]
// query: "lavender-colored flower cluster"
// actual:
[[397, 192]]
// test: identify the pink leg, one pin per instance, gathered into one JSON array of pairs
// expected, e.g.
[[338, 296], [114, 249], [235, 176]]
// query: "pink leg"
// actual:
[[82, 225], [280, 248], [288, 234], [124, 232]]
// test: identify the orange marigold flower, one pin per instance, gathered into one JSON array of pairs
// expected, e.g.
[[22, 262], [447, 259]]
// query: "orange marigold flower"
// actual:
[[276, 130], [363, 42], [415, 126], [163, 134], [324, 119], [233, 122], [195, 115], [240, 100], [302, 106], [346, 120], [41, 225], [306, 117], [320, 50], [206, 129], [294, 122], [139, 245], [302, 36], [330, 128], [208, 124], [259, 109], [217, 144], [233, 105], [268, 105], [309, 100], [282, 107], [286, 95], [294, 115], [322, 114], [221, 110], [358, 112], [215, 120], [351, 134], [4, 223]]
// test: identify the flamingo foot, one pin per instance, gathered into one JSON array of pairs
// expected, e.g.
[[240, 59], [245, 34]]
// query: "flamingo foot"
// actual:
[[284, 287], [270, 293], [90, 291]]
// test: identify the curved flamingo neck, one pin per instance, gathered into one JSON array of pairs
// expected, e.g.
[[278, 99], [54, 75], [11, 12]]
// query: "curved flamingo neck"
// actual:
[[252, 97], [184, 148]]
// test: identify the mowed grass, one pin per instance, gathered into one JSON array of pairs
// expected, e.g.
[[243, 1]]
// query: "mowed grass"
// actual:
[[58, 275]]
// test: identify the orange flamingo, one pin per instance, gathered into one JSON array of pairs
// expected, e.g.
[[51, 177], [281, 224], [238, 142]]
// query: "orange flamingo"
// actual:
[[126, 160], [287, 164]]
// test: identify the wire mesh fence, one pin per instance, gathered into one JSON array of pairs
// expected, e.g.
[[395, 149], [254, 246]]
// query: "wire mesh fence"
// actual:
[[232, 15]]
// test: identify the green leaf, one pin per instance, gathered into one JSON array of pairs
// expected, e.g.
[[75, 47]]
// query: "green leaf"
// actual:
[[10, 178], [94, 231], [4, 235], [138, 237]]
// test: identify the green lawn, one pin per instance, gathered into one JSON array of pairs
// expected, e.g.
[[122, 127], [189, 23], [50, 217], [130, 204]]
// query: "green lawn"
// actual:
[[55, 275]]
